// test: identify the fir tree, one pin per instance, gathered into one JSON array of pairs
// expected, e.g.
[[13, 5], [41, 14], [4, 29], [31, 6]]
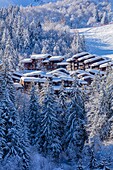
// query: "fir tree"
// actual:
[[33, 116], [49, 138]]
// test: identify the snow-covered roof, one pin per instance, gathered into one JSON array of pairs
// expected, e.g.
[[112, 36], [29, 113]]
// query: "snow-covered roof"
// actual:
[[56, 58], [26, 60], [56, 88], [69, 59], [16, 77], [34, 73], [56, 79], [18, 85], [82, 82], [93, 59], [86, 57], [39, 56], [106, 64], [77, 72], [94, 71], [32, 79], [22, 72], [45, 61], [87, 77], [84, 74], [80, 54], [59, 70], [67, 78], [62, 64], [100, 62]]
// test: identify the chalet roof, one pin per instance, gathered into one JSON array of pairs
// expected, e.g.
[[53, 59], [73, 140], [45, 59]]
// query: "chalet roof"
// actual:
[[45, 61], [62, 64], [69, 59], [32, 79], [59, 71], [100, 62], [80, 55], [21, 72], [26, 60], [67, 78], [56, 79], [16, 77], [77, 72], [93, 59], [56, 88], [94, 71], [87, 77], [39, 56], [106, 64], [34, 73], [56, 58], [86, 57], [84, 74], [18, 85], [82, 82]]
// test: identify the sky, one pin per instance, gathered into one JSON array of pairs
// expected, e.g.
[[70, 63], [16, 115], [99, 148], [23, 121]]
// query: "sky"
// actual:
[[4, 3]]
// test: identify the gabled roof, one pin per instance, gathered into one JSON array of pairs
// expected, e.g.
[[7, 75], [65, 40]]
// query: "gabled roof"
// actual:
[[93, 59], [86, 57], [32, 79], [80, 55], [26, 60], [56, 58], [39, 56], [94, 71], [106, 64], [100, 62], [34, 73]]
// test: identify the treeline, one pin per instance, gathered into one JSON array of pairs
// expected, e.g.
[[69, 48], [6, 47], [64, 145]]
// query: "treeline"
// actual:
[[74, 14], [21, 37]]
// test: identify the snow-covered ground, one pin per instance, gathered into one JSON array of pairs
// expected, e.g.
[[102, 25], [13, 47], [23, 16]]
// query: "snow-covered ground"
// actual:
[[99, 40]]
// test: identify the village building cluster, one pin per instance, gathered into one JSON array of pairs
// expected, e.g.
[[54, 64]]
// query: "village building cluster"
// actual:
[[42, 67]]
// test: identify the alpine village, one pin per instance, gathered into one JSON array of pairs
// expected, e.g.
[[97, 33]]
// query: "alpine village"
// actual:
[[56, 85]]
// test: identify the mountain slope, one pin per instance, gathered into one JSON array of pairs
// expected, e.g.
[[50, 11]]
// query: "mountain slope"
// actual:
[[99, 40]]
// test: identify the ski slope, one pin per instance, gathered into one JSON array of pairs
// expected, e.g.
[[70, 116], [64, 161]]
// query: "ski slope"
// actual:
[[99, 40]]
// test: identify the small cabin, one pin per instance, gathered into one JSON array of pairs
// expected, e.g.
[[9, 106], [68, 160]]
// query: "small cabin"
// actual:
[[27, 63], [27, 82], [53, 61], [38, 59]]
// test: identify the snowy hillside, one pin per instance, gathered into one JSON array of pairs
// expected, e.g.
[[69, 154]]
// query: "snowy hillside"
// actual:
[[99, 40]]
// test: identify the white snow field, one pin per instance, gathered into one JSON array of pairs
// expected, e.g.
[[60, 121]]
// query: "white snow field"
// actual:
[[99, 40]]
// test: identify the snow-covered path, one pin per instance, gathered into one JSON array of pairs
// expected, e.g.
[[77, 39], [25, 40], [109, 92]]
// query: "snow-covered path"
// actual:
[[99, 40]]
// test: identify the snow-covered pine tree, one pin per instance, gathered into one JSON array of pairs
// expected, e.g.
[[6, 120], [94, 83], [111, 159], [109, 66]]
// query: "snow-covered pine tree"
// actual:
[[12, 147], [33, 114], [9, 81], [10, 54], [49, 138], [75, 133], [63, 108]]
